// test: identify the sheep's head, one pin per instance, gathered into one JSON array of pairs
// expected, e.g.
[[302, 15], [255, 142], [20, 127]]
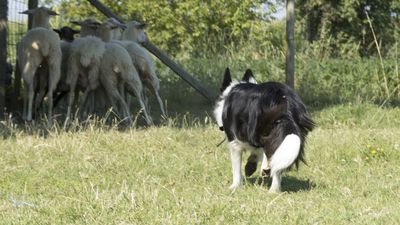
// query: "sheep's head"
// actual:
[[66, 33], [135, 32], [41, 16], [117, 30], [104, 31], [88, 26]]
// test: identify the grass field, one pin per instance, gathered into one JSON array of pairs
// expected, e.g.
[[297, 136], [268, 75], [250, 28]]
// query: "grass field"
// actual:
[[175, 174]]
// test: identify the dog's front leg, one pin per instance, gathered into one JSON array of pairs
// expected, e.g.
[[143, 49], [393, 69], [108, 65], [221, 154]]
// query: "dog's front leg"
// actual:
[[236, 158]]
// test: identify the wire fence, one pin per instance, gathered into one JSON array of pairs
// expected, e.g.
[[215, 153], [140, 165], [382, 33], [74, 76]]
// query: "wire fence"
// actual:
[[17, 27]]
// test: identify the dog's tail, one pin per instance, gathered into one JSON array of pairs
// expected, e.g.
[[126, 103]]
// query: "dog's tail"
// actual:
[[286, 154]]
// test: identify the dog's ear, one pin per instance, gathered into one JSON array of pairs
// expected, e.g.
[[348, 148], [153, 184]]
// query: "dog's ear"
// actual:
[[249, 77], [227, 79]]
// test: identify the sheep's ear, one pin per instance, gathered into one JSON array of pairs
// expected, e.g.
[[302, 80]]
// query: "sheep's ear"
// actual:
[[116, 23], [96, 23], [75, 31], [51, 12], [141, 25], [57, 31], [76, 22], [249, 77], [227, 79], [28, 12]]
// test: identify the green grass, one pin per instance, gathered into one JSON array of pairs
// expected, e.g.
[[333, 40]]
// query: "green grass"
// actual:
[[175, 174]]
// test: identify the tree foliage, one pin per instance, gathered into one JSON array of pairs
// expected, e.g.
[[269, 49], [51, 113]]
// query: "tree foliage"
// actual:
[[345, 23], [196, 27]]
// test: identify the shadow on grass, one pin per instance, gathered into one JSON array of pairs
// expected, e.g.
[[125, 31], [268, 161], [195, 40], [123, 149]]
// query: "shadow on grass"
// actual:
[[289, 183]]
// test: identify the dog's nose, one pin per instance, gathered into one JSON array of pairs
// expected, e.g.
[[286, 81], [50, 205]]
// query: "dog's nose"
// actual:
[[221, 128]]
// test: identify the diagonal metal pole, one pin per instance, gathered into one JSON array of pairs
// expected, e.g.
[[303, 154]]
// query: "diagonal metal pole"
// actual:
[[208, 93]]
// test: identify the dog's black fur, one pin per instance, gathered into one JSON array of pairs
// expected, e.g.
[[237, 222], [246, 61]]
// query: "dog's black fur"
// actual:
[[263, 115]]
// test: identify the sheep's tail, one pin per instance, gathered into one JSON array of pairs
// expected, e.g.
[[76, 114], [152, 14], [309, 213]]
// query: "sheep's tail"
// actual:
[[44, 47], [85, 60]]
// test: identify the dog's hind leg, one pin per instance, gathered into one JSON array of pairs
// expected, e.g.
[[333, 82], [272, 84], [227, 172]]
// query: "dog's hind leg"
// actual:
[[283, 158], [236, 150], [265, 169], [276, 182]]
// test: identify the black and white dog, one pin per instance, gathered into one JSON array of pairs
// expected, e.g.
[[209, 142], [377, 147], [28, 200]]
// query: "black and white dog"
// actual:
[[269, 119]]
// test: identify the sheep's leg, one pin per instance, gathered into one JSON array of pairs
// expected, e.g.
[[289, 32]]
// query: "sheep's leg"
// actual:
[[86, 105], [28, 74], [40, 83], [39, 99], [53, 78], [124, 108], [71, 98], [160, 102], [124, 96], [141, 100], [50, 109], [146, 100], [121, 88], [113, 93], [25, 108], [84, 99], [31, 94]]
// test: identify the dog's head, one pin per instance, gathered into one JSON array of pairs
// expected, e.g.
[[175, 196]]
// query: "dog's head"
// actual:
[[226, 87], [248, 77]]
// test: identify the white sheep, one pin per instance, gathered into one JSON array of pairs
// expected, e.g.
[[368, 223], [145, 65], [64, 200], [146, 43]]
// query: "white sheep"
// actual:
[[67, 36], [116, 32], [39, 46], [117, 71], [142, 60], [89, 28], [83, 66]]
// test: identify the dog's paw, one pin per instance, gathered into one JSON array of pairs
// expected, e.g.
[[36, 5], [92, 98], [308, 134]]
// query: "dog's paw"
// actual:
[[274, 190], [265, 173]]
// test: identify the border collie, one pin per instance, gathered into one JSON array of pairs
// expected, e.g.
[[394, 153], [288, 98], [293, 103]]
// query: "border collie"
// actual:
[[268, 119]]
